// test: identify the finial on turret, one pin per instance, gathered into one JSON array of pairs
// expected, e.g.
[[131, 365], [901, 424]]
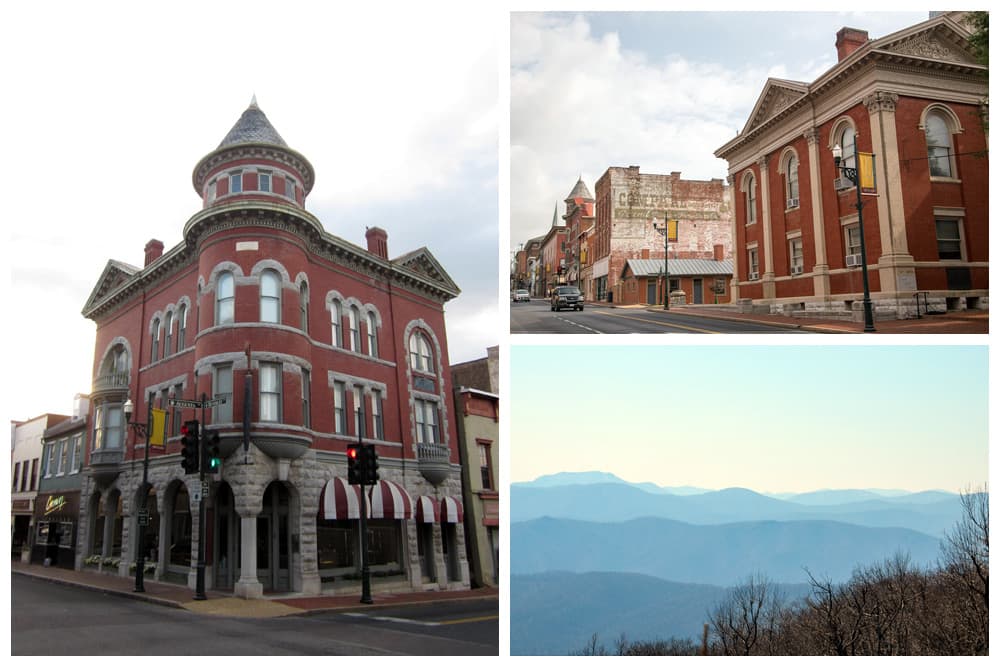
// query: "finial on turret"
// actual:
[[253, 102]]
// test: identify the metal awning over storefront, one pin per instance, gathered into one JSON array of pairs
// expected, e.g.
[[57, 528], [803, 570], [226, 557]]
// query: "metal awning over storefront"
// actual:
[[340, 501], [390, 501]]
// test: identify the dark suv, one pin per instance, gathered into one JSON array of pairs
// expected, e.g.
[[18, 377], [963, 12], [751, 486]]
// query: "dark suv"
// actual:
[[566, 297]]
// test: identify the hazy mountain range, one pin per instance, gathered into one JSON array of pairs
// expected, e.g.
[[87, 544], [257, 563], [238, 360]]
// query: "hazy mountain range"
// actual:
[[930, 512], [591, 552], [607, 603]]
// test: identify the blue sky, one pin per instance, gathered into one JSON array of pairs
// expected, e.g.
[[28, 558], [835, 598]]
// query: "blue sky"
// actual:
[[109, 106], [779, 418], [661, 90]]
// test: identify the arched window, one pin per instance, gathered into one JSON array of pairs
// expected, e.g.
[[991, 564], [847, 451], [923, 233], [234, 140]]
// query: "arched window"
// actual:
[[372, 335], [304, 307], [168, 330], [336, 320], [750, 199], [847, 140], [270, 297], [939, 149], [354, 319], [225, 299], [792, 181], [420, 353], [181, 325], [156, 341]]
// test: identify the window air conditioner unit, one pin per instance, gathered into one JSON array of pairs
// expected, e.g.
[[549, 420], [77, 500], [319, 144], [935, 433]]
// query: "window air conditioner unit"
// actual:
[[793, 202], [752, 276], [853, 260], [796, 270], [842, 184]]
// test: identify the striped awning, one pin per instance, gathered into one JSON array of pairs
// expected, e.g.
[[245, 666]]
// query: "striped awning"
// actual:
[[451, 510], [340, 500], [390, 501], [427, 510]]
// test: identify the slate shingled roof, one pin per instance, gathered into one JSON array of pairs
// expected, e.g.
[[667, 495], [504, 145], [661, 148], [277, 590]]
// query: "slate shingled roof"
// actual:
[[580, 190], [253, 127], [680, 267]]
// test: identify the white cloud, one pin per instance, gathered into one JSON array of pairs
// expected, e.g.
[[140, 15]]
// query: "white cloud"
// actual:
[[580, 104]]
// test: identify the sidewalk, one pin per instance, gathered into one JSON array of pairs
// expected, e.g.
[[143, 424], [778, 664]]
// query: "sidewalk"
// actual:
[[220, 603], [960, 322]]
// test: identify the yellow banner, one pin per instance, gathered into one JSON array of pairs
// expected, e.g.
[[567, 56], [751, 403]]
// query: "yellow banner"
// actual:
[[866, 173], [158, 427], [672, 230]]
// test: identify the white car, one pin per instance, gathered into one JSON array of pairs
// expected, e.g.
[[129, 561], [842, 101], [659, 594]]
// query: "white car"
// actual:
[[521, 295]]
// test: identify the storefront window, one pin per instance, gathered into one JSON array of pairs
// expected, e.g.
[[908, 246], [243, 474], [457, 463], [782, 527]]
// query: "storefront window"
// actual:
[[336, 544], [180, 530]]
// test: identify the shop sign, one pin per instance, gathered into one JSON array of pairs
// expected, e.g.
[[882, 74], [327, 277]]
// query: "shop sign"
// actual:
[[54, 504]]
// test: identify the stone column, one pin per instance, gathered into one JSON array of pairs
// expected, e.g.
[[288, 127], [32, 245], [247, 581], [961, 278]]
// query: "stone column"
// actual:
[[310, 479], [109, 524], [734, 283], [767, 275], [821, 270], [896, 267]]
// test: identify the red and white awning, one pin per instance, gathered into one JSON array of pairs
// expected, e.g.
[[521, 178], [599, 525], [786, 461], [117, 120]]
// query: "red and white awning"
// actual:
[[427, 510], [390, 501], [451, 510], [340, 500]]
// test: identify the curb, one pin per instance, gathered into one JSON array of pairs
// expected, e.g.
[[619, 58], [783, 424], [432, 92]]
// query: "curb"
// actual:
[[818, 328], [142, 597]]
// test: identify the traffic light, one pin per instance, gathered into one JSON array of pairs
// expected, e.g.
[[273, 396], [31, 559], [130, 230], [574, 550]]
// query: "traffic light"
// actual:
[[189, 440], [353, 465], [213, 459], [369, 465]]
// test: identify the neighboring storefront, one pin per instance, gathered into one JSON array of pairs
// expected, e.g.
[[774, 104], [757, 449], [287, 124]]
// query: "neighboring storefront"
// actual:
[[56, 517]]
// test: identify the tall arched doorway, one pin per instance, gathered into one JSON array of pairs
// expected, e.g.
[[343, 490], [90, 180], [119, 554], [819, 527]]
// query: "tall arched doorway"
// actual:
[[226, 546], [274, 540]]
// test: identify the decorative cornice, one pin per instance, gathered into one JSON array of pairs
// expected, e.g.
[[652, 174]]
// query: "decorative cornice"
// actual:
[[279, 154]]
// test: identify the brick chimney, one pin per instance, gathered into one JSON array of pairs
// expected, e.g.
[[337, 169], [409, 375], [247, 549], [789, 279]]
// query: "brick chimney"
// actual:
[[850, 40], [645, 253], [377, 245], [154, 249], [719, 252]]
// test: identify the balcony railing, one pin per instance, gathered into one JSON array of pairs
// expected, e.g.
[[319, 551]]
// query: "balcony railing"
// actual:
[[433, 463], [108, 382]]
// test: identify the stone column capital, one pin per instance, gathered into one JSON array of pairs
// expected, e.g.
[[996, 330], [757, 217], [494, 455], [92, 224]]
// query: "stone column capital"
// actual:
[[812, 136], [762, 162], [881, 101]]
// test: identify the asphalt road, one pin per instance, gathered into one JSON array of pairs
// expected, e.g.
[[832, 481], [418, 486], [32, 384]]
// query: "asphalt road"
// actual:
[[535, 317], [54, 619]]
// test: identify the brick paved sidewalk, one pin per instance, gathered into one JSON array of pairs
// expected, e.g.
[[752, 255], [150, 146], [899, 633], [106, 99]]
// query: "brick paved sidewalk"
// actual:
[[965, 322], [225, 604]]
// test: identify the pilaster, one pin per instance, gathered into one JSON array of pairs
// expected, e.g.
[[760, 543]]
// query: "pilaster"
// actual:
[[767, 276], [821, 269]]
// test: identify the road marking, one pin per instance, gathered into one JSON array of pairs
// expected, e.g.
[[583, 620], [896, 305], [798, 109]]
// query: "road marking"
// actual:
[[410, 621], [582, 326], [665, 324]]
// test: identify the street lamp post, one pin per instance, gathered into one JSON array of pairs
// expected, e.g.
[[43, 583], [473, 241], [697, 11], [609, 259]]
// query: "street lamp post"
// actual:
[[666, 267], [852, 174], [141, 431]]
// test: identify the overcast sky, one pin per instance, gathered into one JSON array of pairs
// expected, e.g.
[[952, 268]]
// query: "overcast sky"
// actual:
[[779, 418], [108, 107], [659, 90]]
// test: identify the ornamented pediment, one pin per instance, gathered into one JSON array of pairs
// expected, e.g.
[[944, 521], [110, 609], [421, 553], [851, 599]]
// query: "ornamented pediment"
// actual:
[[777, 96], [940, 44], [115, 275], [422, 263]]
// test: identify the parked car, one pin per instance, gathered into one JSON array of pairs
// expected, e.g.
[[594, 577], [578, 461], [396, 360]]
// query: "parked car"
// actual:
[[521, 295], [566, 297]]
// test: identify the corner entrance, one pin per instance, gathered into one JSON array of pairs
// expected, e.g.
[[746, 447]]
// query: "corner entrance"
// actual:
[[274, 543]]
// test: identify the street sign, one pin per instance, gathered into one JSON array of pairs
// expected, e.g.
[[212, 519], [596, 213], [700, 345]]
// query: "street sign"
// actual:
[[204, 489], [185, 403], [143, 517]]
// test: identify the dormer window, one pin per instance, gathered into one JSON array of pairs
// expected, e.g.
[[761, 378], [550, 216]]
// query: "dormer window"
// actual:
[[264, 181], [236, 182]]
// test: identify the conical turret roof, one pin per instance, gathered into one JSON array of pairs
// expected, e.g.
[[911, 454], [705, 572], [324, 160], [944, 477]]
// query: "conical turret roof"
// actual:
[[581, 191], [253, 127]]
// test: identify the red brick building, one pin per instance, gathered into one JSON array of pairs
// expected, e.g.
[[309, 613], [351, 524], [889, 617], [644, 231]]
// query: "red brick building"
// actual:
[[630, 210], [579, 218], [553, 255], [311, 341], [913, 98]]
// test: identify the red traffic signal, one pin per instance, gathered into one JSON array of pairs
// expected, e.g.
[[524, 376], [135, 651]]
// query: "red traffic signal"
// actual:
[[353, 465]]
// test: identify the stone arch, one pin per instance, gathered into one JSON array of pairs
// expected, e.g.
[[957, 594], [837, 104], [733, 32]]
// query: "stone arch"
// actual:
[[950, 117], [107, 359], [838, 127]]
